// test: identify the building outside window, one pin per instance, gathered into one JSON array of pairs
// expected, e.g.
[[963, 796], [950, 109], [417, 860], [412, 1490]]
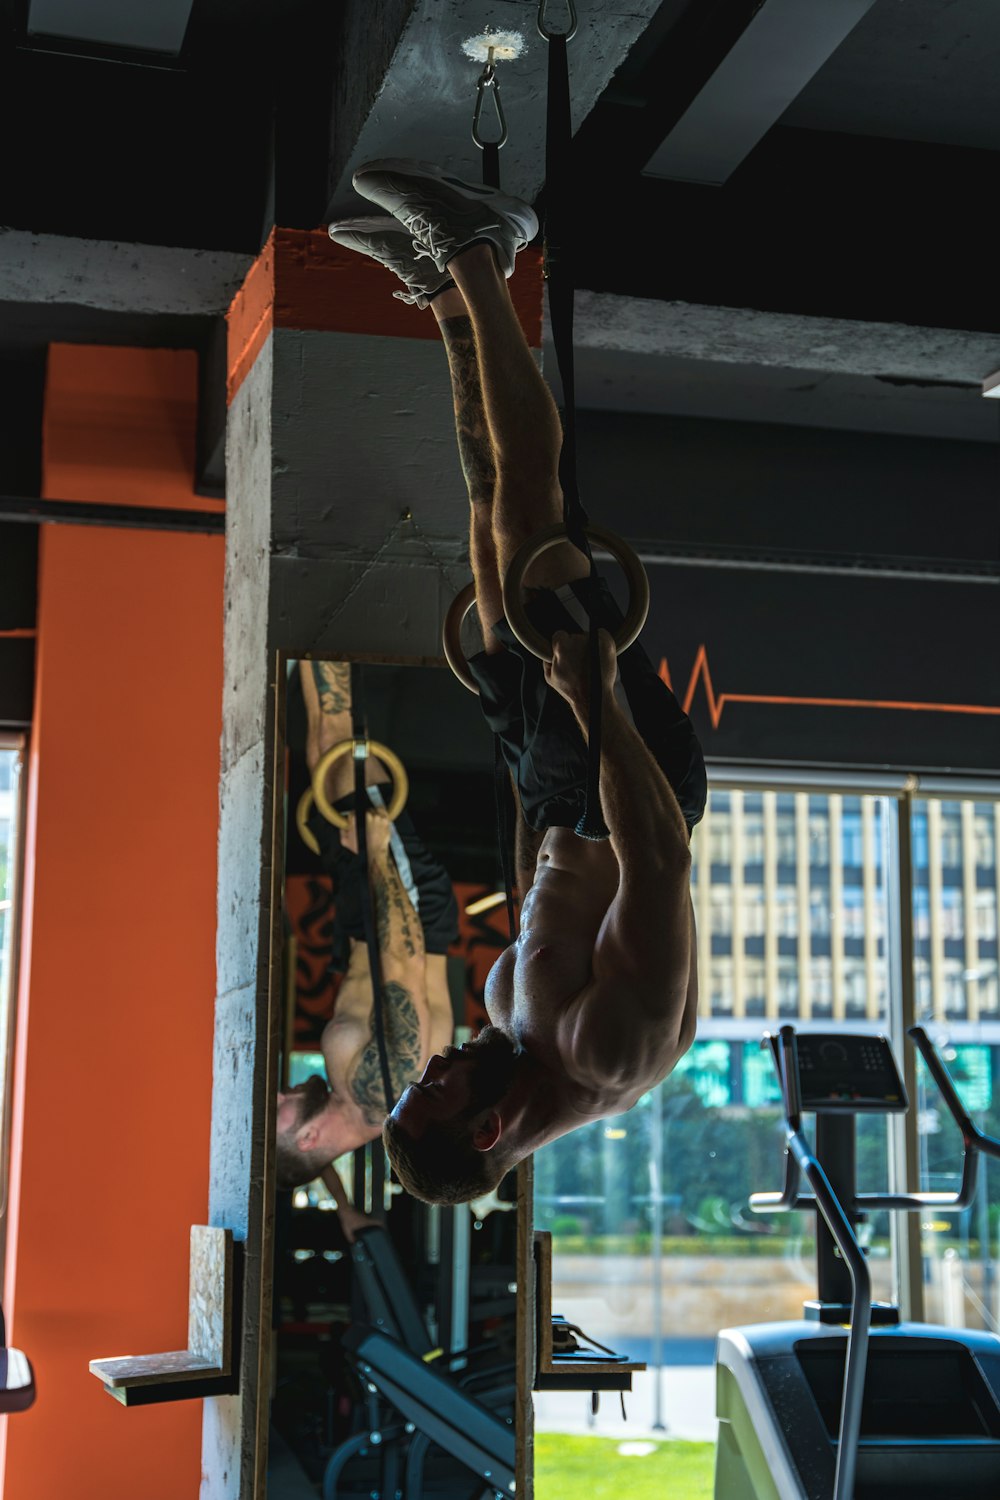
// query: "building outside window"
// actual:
[[984, 826]]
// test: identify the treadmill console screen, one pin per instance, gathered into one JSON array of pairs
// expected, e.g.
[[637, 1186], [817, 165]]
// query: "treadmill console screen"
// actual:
[[845, 1071]]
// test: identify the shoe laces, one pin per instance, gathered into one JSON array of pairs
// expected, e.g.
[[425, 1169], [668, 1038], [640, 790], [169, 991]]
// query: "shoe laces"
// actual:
[[429, 239]]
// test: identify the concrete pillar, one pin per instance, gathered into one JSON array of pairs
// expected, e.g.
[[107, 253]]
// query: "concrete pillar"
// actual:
[[346, 537]]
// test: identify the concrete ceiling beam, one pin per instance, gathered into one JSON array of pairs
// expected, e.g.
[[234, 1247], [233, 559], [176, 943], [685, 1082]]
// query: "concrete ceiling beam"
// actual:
[[742, 336], [415, 95], [48, 269], [780, 51]]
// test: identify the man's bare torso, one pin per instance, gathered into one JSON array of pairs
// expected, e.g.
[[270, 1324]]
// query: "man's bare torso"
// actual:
[[539, 987]]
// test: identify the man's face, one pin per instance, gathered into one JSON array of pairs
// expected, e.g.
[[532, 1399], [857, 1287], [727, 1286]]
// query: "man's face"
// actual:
[[301, 1104], [463, 1081]]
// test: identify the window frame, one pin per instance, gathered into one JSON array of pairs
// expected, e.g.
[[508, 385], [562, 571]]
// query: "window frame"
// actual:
[[900, 790]]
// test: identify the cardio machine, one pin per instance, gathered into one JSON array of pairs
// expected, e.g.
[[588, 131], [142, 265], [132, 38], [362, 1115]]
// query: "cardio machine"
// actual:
[[851, 1403]]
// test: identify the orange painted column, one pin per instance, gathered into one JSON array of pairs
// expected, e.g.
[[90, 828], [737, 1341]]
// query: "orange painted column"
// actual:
[[112, 1096], [301, 280]]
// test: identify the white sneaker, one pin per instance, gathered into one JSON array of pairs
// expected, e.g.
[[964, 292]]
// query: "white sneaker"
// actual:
[[444, 214], [387, 242]]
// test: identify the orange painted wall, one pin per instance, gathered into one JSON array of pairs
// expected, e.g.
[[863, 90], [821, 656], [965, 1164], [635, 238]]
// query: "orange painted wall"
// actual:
[[120, 426], [113, 1066]]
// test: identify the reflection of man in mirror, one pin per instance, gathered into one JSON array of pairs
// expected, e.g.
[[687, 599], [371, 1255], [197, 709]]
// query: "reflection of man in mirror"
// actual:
[[595, 1002], [416, 919]]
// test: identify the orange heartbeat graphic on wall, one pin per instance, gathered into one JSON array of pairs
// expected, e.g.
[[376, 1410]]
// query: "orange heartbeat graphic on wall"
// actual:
[[717, 702]]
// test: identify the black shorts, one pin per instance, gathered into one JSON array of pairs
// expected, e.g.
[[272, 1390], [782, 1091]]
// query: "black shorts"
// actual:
[[435, 898], [541, 740]]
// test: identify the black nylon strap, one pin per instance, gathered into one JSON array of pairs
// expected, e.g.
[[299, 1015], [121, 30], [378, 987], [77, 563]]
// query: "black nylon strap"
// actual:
[[502, 795], [561, 282], [491, 164], [559, 274], [360, 729]]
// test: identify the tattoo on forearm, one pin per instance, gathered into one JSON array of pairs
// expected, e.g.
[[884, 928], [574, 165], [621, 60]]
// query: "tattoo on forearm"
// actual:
[[394, 915], [333, 683], [402, 1044], [474, 445]]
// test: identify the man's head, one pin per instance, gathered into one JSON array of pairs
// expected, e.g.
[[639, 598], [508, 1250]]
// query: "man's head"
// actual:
[[302, 1153], [446, 1137]]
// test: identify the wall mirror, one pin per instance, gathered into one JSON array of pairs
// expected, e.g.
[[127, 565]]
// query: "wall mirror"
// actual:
[[353, 1253]]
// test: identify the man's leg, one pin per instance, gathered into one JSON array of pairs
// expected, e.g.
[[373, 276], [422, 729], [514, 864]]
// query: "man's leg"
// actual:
[[326, 688], [475, 449], [472, 234], [523, 422]]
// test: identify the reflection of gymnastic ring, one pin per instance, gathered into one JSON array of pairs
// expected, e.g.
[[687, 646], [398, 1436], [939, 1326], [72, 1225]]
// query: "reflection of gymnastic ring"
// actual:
[[459, 608], [360, 749], [638, 587], [302, 820]]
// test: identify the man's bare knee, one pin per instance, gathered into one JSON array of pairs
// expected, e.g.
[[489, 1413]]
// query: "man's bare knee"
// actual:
[[523, 509], [557, 565], [486, 572]]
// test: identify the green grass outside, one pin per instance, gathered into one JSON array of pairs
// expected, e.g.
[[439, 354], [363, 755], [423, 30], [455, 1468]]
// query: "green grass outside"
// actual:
[[681, 1244], [593, 1467]]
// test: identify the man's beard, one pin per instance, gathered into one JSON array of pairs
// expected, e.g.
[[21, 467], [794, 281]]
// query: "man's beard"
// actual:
[[314, 1097], [496, 1066]]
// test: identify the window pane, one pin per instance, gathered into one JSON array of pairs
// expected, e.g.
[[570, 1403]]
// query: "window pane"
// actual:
[[714, 1263], [955, 920], [961, 1250], [955, 910], [790, 901]]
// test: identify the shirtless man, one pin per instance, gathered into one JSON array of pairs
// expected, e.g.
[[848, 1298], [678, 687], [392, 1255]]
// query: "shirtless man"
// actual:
[[596, 1000], [318, 1121]]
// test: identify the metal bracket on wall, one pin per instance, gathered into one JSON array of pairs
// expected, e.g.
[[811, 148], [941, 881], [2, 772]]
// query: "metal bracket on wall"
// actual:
[[209, 1365]]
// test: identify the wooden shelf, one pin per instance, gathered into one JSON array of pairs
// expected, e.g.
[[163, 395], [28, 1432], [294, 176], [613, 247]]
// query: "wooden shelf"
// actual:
[[206, 1367]]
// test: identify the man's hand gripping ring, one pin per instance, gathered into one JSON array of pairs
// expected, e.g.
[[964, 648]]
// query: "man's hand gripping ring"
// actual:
[[360, 750]]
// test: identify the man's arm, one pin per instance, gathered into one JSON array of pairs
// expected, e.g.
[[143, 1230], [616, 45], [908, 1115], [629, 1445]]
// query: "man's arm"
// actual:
[[400, 935], [351, 1218], [442, 1017], [527, 842], [646, 939], [645, 947], [404, 1001]]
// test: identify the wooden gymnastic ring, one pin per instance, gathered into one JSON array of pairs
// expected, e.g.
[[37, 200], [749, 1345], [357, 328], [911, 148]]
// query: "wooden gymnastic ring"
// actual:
[[389, 758], [451, 636], [638, 604], [302, 820]]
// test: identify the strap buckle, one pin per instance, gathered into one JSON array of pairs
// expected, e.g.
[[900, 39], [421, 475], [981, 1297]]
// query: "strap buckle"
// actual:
[[488, 80], [544, 31]]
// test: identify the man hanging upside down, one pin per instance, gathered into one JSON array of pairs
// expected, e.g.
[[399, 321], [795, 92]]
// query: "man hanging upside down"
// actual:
[[596, 1000], [416, 918]]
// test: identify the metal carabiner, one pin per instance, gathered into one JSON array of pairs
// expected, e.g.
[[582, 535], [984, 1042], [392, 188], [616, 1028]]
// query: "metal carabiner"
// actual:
[[488, 80], [544, 31]]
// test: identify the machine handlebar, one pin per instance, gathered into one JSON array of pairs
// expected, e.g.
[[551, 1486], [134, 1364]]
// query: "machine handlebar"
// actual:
[[973, 1139]]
